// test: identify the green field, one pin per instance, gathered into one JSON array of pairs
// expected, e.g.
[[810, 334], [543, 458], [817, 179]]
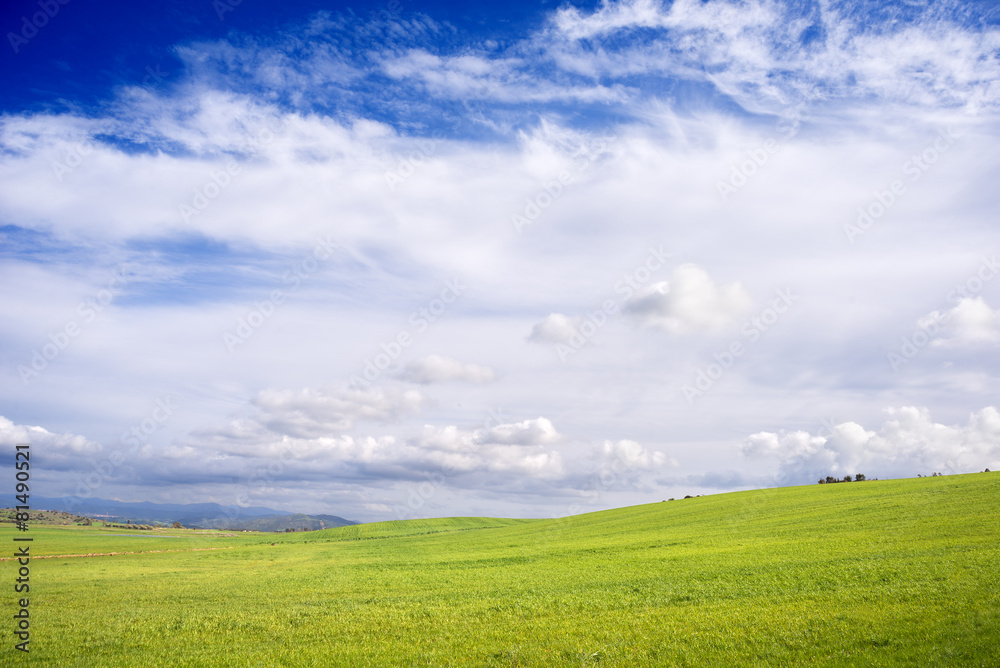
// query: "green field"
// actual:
[[881, 573]]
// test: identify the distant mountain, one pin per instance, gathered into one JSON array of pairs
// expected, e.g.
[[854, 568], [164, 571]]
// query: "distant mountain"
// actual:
[[278, 523], [188, 514]]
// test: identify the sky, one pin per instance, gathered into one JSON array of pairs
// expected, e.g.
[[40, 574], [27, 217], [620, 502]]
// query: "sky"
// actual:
[[420, 259]]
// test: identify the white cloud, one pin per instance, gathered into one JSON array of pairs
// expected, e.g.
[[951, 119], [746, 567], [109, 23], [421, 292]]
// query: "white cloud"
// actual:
[[755, 52], [311, 413], [689, 302], [440, 369], [538, 431], [554, 328], [53, 451], [969, 323], [906, 444], [724, 17], [504, 448], [630, 455]]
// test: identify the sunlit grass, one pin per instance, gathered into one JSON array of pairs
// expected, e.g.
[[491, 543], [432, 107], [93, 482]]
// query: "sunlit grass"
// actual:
[[875, 573]]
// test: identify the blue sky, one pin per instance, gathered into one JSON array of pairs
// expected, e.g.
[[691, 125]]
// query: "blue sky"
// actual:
[[409, 259]]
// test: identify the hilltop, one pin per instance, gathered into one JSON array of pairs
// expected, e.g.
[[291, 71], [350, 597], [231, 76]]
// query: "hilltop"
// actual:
[[45, 517]]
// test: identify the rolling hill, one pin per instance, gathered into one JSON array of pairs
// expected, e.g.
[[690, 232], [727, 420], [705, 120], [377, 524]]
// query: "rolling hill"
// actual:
[[891, 572]]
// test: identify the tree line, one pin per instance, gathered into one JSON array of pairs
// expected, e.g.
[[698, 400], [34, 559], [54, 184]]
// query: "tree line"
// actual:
[[860, 477]]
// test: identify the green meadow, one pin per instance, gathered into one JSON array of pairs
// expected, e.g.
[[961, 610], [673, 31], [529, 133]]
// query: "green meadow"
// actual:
[[878, 573]]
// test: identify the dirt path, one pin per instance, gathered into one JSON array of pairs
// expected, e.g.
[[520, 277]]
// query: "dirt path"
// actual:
[[115, 554]]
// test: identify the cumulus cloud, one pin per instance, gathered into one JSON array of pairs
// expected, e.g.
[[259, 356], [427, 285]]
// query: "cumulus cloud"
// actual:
[[554, 328], [906, 444], [504, 448], [969, 323], [538, 431], [56, 451], [689, 302], [501, 449], [629, 454], [440, 369]]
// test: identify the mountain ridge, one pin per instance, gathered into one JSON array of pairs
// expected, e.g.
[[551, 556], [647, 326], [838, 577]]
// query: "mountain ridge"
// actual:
[[203, 515]]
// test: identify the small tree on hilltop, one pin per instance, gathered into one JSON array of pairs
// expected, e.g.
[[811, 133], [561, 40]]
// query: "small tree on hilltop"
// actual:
[[859, 477], [177, 525], [847, 478]]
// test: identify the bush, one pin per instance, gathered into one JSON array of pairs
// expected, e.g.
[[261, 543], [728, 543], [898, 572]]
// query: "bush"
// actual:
[[830, 479]]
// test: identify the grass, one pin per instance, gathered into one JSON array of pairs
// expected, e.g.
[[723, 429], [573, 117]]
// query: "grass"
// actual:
[[886, 573]]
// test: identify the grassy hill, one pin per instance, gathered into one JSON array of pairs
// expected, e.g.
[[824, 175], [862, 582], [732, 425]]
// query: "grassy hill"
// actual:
[[897, 572], [46, 517]]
